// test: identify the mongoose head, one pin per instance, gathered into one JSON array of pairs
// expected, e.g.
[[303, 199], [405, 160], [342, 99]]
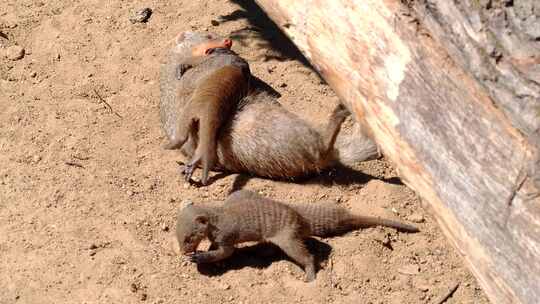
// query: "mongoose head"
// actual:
[[191, 228], [192, 44]]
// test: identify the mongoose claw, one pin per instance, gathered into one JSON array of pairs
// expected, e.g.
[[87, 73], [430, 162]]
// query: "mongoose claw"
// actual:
[[181, 70], [188, 172], [197, 257]]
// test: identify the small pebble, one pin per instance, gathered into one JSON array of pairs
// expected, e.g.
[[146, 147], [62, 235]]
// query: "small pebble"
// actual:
[[386, 241], [214, 22], [144, 296], [133, 287], [186, 203], [410, 269], [164, 227], [423, 288], [92, 246], [15, 53], [421, 284], [141, 16], [225, 286], [33, 74], [416, 218]]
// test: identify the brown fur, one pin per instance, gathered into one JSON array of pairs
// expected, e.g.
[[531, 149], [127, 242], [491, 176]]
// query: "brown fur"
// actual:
[[262, 137], [211, 104], [246, 216]]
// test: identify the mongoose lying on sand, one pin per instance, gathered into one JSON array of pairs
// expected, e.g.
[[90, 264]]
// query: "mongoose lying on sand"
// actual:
[[246, 216], [215, 97], [261, 137]]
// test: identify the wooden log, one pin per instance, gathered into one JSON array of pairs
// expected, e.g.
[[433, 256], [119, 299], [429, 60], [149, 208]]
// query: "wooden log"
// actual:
[[475, 165]]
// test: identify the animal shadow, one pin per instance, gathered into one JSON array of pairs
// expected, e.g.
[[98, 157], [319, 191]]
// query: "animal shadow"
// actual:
[[264, 29], [345, 176], [337, 175], [261, 256]]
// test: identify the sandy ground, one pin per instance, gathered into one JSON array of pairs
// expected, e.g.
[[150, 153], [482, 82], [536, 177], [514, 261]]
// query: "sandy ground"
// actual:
[[88, 198]]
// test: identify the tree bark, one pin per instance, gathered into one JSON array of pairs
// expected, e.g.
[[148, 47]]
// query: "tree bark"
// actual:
[[452, 99]]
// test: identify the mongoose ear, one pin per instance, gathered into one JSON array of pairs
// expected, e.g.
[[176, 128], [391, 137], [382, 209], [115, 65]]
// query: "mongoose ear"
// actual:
[[201, 219]]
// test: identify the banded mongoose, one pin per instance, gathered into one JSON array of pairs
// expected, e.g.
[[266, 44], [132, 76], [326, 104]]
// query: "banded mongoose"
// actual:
[[262, 137], [246, 216], [212, 102]]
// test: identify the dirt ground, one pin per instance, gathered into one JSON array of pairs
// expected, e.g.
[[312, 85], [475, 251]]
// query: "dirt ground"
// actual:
[[88, 198]]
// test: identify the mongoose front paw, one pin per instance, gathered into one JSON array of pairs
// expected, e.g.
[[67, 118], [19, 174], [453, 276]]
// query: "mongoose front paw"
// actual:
[[181, 70], [188, 172], [197, 257], [309, 278], [310, 275]]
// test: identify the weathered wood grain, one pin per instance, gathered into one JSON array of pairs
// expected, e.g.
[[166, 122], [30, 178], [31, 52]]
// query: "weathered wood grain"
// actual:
[[435, 119]]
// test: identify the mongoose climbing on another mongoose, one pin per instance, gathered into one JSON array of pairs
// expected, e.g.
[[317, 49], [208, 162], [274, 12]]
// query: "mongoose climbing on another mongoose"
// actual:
[[215, 97], [260, 137]]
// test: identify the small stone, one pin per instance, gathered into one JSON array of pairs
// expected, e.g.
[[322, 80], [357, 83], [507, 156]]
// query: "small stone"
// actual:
[[410, 269], [144, 296], [386, 241], [416, 218], [141, 16], [36, 158], [33, 74], [186, 203], [130, 193], [421, 284], [133, 287], [214, 22], [92, 246], [164, 227], [92, 253], [423, 288], [283, 85], [15, 53], [225, 286], [10, 24]]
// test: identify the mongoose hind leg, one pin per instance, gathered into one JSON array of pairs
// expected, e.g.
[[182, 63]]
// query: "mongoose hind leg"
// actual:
[[294, 247], [203, 155], [206, 151]]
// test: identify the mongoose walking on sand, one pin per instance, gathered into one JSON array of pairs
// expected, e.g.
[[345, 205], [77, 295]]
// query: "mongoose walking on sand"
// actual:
[[261, 137], [215, 97], [246, 216]]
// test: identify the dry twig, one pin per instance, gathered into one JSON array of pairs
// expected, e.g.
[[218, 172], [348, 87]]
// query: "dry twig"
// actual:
[[447, 295], [107, 105]]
